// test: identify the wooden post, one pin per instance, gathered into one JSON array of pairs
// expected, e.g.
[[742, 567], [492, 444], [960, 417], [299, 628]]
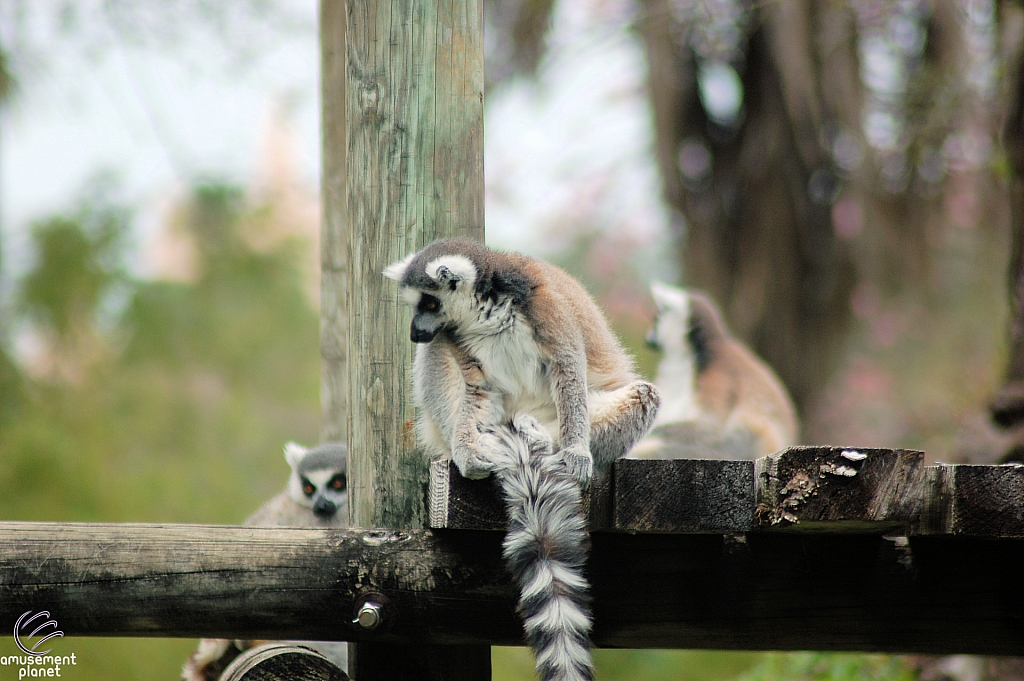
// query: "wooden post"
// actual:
[[333, 226], [415, 173], [411, 104]]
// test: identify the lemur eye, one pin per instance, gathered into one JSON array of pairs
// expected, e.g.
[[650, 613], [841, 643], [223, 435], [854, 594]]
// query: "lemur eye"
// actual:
[[307, 488], [429, 303], [338, 481]]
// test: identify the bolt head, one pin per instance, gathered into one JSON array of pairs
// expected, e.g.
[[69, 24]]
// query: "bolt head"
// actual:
[[370, 615]]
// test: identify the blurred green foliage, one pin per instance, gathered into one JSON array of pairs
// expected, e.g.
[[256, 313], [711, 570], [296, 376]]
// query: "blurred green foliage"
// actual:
[[516, 664], [829, 667], [155, 401]]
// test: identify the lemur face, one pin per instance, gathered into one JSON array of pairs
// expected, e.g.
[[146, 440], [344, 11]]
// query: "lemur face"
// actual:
[[428, 318], [318, 479], [672, 318], [324, 490], [441, 294]]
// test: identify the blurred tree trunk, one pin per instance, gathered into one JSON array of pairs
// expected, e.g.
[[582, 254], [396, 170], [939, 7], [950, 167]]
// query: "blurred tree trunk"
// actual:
[[1008, 406], [779, 215], [901, 209], [757, 230], [517, 32]]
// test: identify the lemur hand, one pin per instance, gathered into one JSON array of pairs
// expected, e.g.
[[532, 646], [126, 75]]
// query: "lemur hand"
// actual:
[[579, 463]]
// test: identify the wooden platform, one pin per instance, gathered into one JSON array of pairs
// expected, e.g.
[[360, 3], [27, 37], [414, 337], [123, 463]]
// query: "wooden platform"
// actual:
[[801, 489], [833, 549]]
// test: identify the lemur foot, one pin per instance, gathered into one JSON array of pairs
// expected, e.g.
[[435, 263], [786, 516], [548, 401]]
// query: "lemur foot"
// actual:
[[580, 465], [537, 438], [474, 462]]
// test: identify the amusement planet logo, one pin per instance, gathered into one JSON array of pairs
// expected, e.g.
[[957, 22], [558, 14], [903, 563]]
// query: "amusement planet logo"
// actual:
[[35, 663]]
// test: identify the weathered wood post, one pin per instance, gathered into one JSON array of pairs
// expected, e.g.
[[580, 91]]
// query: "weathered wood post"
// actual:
[[403, 134]]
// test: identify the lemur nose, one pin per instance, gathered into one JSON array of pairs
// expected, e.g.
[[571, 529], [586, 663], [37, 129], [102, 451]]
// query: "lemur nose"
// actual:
[[324, 508]]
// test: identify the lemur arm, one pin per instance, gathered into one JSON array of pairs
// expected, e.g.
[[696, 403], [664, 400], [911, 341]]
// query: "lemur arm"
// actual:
[[569, 369], [456, 399], [619, 419]]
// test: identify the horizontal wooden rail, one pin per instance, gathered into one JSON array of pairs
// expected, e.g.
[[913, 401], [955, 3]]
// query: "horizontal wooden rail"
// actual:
[[811, 549], [764, 590]]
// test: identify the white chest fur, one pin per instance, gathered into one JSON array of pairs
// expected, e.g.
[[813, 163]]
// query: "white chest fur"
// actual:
[[515, 369]]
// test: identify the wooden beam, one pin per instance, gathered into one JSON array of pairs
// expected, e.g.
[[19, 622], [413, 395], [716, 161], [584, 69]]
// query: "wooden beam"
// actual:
[[936, 594], [256, 583]]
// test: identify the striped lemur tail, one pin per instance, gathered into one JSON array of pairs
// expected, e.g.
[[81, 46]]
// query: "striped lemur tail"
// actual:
[[545, 549]]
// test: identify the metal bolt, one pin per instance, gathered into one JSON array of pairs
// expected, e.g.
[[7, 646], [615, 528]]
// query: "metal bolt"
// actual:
[[370, 615]]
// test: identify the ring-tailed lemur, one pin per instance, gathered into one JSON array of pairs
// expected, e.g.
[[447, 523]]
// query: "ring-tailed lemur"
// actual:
[[316, 496], [503, 335], [719, 401]]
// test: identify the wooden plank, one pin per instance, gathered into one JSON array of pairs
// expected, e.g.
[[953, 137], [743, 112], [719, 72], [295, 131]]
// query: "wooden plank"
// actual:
[[803, 489], [683, 495], [460, 503], [763, 590], [800, 489], [457, 503], [975, 501], [840, 489]]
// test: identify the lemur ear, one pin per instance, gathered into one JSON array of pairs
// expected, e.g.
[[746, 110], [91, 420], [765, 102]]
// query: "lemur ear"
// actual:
[[294, 453], [667, 297], [446, 276], [396, 270], [452, 270]]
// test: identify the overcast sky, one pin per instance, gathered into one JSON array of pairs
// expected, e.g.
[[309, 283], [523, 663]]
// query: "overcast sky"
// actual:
[[161, 117]]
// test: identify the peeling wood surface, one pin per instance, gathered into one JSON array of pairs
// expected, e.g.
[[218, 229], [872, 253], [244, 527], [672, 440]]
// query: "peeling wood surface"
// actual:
[[801, 489], [940, 594], [840, 489]]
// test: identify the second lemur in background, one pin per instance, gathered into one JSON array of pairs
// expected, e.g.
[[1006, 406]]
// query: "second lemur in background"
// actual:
[[317, 493], [718, 399], [316, 496]]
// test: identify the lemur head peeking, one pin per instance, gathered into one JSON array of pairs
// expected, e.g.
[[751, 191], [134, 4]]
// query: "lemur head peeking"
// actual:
[[318, 480], [458, 284]]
